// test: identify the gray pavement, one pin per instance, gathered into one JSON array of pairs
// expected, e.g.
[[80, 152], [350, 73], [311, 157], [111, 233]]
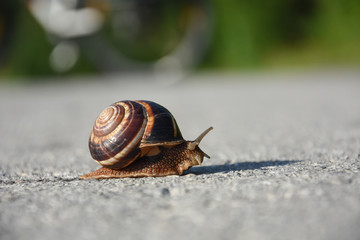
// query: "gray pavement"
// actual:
[[285, 160]]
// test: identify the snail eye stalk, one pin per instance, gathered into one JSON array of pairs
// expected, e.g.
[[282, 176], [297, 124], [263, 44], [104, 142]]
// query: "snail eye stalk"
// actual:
[[197, 141]]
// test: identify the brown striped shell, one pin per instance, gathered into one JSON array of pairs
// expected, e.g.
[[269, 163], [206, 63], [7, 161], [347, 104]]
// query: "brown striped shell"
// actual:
[[126, 130]]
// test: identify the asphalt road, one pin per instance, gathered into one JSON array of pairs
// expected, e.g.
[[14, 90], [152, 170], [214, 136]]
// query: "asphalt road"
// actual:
[[285, 159]]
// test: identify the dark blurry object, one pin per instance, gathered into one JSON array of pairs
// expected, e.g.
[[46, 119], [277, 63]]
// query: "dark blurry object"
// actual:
[[125, 35], [8, 21]]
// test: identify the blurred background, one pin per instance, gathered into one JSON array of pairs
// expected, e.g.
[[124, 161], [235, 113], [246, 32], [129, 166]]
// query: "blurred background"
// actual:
[[42, 38]]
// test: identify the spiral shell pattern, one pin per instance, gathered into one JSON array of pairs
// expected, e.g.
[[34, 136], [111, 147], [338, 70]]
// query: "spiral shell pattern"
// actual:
[[125, 127], [117, 133]]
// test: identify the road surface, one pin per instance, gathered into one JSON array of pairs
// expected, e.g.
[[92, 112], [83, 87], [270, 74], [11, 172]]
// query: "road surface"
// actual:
[[285, 159]]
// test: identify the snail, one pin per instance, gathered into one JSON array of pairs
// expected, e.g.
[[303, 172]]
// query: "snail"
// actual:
[[141, 139]]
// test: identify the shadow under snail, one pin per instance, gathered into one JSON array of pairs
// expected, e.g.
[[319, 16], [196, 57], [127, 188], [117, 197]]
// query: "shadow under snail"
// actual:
[[141, 139]]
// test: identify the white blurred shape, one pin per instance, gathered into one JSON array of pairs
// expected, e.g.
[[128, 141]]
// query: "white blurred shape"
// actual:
[[64, 56], [168, 70], [64, 20]]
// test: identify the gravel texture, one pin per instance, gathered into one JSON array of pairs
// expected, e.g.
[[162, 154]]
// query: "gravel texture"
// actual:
[[285, 160]]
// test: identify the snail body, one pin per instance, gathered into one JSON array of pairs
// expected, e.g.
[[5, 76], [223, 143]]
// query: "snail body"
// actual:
[[140, 139]]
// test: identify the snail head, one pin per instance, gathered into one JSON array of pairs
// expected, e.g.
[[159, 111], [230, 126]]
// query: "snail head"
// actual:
[[197, 154]]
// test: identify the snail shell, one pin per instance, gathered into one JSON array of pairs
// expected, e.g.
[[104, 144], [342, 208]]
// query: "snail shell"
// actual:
[[140, 139]]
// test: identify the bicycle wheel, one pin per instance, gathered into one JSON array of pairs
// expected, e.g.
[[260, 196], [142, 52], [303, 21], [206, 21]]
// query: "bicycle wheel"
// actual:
[[148, 34]]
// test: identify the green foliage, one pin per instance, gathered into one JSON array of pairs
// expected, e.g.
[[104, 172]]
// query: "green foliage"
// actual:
[[337, 27], [260, 33], [30, 48]]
